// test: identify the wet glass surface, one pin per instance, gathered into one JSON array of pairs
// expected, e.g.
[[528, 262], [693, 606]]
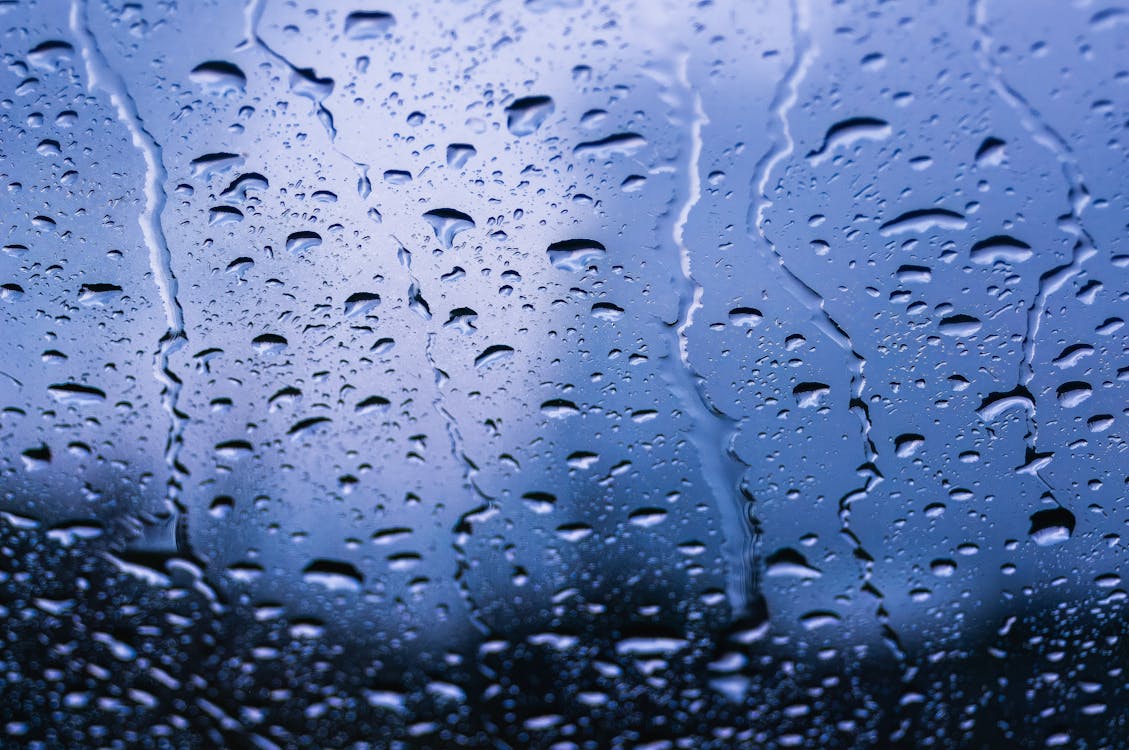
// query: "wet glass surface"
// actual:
[[563, 374]]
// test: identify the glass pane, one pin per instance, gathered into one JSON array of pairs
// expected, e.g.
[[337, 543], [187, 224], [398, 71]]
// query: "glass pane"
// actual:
[[563, 374]]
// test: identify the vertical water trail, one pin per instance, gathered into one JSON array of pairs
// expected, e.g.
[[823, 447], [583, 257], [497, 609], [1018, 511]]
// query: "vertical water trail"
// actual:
[[783, 146], [100, 74], [689, 304], [1078, 196], [487, 507], [485, 510], [713, 431], [252, 16]]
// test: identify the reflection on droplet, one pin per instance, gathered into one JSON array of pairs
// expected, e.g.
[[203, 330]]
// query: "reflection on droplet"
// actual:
[[1051, 526], [334, 575], [219, 77], [524, 116], [575, 255], [447, 223], [299, 242], [372, 24]]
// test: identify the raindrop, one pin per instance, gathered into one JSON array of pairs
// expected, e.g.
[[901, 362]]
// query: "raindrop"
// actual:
[[269, 343], [50, 55], [372, 24], [299, 242], [493, 354], [524, 116], [76, 393], [334, 575], [360, 303], [219, 77], [458, 154], [848, 132], [959, 325], [922, 220], [575, 255], [620, 144], [1051, 526], [1000, 248], [447, 223], [991, 152], [1073, 393], [559, 408], [745, 317]]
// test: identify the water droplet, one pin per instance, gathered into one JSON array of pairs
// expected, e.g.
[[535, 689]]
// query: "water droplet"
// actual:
[[810, 395], [787, 562], [959, 325], [558, 408], [447, 223], [76, 393], [493, 354], [219, 77], [372, 24], [360, 303], [299, 242], [524, 116], [1000, 248], [745, 317], [1073, 393], [907, 444], [1051, 526], [269, 343], [620, 144], [334, 575], [848, 132], [458, 154], [922, 220], [575, 255], [991, 152]]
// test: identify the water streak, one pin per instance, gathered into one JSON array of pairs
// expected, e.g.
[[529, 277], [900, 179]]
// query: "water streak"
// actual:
[[713, 430], [487, 507], [253, 14], [100, 74], [784, 146], [1078, 196]]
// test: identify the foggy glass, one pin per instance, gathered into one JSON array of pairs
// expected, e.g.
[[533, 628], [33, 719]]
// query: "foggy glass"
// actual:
[[563, 374]]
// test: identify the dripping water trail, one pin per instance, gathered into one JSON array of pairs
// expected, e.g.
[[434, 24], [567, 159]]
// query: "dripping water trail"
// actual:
[[713, 431], [252, 16], [100, 74], [783, 146], [485, 510], [486, 507], [1084, 248]]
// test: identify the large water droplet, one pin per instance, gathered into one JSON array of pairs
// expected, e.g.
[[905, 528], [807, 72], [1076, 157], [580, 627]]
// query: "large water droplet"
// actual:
[[524, 116], [219, 77], [1052, 526]]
